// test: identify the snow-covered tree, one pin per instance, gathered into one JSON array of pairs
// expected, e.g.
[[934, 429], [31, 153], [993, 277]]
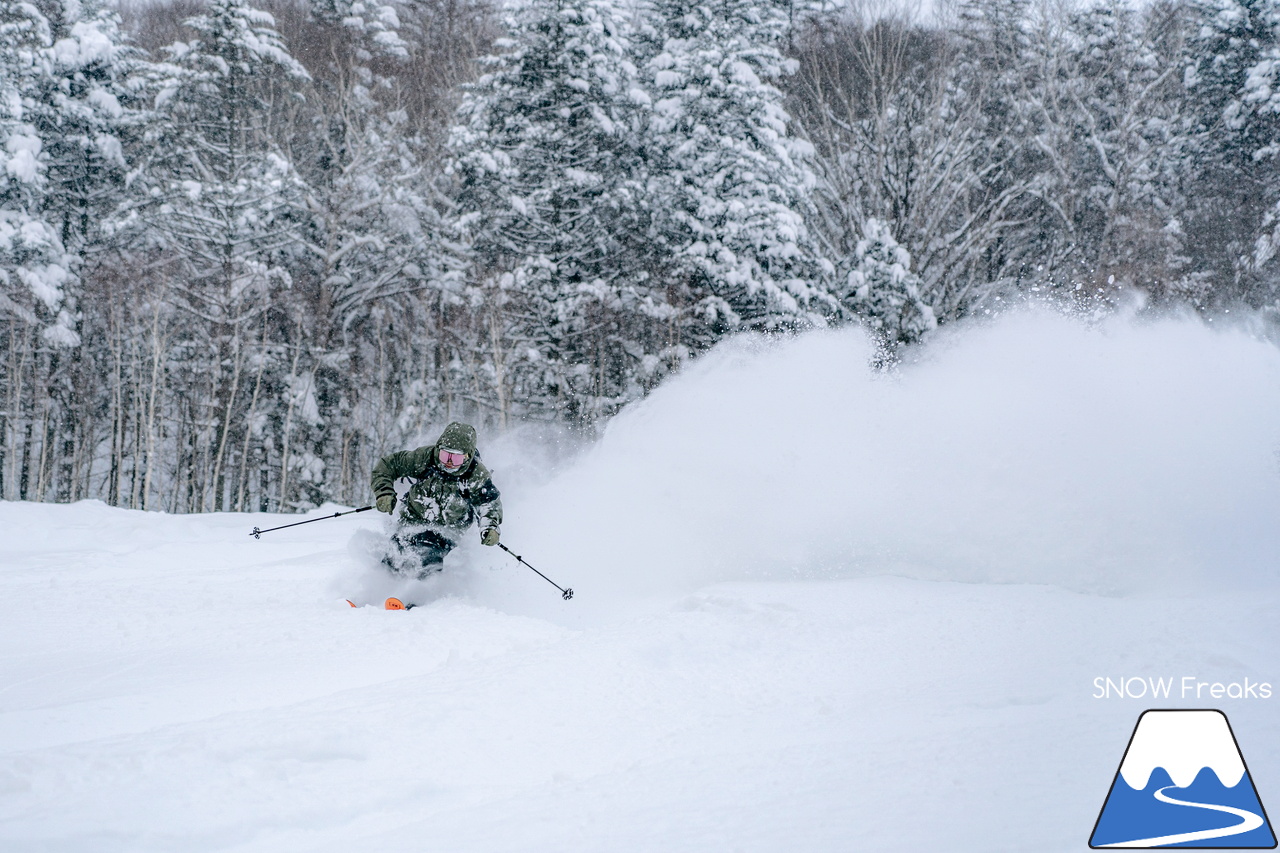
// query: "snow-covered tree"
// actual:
[[1007, 69], [371, 231], [1255, 112], [224, 195], [1231, 47], [91, 107], [1230, 67], [546, 157], [303, 274], [882, 290], [729, 184], [226, 202], [369, 190], [70, 102], [1261, 95], [378, 25], [902, 136], [1114, 142], [35, 265]]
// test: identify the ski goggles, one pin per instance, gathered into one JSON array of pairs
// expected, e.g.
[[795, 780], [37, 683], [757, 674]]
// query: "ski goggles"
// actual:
[[452, 459]]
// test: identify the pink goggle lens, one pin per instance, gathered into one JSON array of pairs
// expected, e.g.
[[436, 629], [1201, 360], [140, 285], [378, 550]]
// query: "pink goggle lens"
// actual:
[[449, 459]]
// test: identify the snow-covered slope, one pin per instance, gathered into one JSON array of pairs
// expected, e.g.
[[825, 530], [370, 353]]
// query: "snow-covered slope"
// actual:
[[816, 610]]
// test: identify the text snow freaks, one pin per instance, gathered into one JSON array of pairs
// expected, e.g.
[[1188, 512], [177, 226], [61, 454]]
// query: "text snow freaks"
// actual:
[[1186, 687]]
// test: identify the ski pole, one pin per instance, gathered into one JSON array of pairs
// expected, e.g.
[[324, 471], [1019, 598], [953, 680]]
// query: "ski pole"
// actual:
[[566, 594], [257, 534]]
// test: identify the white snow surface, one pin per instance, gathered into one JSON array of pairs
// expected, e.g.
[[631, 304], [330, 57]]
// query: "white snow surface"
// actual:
[[816, 609]]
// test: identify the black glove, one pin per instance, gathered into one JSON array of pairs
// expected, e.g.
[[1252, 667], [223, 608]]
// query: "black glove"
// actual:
[[386, 503], [489, 536]]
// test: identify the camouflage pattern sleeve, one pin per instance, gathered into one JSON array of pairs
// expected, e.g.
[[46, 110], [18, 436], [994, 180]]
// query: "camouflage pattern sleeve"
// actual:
[[392, 467], [488, 505]]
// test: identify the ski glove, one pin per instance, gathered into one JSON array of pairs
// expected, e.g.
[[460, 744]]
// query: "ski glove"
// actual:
[[386, 503], [490, 536]]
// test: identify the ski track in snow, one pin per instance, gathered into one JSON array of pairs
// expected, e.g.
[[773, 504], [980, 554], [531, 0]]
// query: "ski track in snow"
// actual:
[[861, 613]]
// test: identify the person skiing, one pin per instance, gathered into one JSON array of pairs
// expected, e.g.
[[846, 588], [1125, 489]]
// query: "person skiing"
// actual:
[[449, 490]]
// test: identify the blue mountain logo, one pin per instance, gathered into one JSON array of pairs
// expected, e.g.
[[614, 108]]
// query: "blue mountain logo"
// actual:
[[1183, 783]]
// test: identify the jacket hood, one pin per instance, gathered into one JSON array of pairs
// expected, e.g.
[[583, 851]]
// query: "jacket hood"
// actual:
[[460, 437]]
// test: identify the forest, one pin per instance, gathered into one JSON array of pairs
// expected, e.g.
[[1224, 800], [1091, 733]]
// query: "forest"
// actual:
[[245, 250]]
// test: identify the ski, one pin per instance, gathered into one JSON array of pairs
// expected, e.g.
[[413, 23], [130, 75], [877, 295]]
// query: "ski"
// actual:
[[390, 604]]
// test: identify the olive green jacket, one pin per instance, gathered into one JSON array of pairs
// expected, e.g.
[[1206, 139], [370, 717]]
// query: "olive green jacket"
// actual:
[[436, 497]]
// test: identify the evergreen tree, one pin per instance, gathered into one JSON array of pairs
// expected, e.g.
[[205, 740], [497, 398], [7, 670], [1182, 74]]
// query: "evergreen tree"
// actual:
[[884, 292], [1235, 190], [89, 109], [547, 162], [35, 265], [223, 195], [1260, 107], [729, 185], [377, 24]]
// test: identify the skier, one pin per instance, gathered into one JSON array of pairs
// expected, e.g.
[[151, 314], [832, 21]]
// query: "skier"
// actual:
[[449, 490]]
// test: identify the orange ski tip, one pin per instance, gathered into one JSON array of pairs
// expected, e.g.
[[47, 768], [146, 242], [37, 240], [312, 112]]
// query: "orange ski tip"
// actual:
[[352, 603], [395, 604]]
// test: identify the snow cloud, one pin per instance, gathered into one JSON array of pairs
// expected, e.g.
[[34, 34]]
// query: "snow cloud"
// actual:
[[1034, 449]]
